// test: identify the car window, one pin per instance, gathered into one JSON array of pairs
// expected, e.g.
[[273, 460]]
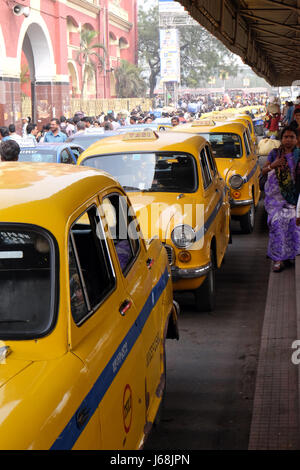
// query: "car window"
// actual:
[[85, 140], [152, 172], [66, 157], [207, 179], [28, 282], [225, 144], [91, 271], [38, 155], [249, 138], [247, 145], [76, 151], [211, 161], [122, 228]]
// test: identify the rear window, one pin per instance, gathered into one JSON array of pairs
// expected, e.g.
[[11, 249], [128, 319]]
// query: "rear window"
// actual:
[[86, 140], [151, 172], [27, 278], [38, 155], [225, 145]]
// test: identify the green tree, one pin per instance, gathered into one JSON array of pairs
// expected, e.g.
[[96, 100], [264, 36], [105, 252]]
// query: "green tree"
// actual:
[[148, 45], [129, 83], [88, 56], [202, 56]]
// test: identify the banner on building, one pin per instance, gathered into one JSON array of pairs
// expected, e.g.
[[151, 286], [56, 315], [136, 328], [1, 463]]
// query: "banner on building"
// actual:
[[169, 55]]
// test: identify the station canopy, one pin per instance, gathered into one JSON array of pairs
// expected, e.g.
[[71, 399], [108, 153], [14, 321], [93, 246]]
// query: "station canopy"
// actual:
[[264, 33]]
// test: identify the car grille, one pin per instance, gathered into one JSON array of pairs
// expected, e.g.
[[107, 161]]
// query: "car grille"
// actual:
[[171, 254]]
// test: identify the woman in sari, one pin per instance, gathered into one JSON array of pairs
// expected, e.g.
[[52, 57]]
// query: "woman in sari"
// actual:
[[281, 195]]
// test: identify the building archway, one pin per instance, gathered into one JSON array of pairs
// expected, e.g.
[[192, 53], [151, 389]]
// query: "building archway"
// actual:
[[36, 47], [74, 80]]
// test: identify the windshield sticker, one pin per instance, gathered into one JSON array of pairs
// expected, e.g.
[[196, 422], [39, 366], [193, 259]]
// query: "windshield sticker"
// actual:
[[11, 254]]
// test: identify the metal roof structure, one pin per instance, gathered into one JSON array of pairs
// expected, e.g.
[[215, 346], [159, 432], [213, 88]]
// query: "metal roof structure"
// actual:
[[264, 33]]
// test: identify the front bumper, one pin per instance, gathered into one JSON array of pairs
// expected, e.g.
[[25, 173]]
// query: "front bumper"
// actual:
[[236, 203], [189, 273]]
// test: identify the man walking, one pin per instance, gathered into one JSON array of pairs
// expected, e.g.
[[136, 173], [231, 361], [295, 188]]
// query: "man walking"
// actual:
[[55, 135]]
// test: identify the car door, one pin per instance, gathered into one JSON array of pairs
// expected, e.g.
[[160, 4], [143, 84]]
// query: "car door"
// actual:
[[212, 198], [106, 339], [145, 276], [223, 216], [253, 170]]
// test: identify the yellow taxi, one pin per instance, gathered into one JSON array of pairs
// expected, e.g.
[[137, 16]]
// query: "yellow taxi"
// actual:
[[85, 308], [242, 118], [178, 196], [237, 163], [247, 120]]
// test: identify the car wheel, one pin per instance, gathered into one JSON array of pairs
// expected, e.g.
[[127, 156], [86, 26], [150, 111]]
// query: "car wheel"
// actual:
[[247, 221], [205, 295]]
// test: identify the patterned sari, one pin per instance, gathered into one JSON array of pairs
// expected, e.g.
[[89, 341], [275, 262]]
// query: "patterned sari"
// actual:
[[280, 199]]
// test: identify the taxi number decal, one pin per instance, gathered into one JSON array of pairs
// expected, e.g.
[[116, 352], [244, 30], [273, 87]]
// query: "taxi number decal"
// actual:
[[152, 349], [127, 408]]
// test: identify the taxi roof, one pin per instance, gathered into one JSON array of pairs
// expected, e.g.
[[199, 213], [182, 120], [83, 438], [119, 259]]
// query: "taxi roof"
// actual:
[[44, 193], [166, 141], [231, 126]]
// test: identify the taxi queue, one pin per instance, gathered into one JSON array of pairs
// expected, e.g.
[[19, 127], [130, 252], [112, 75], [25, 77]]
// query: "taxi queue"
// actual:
[[89, 258]]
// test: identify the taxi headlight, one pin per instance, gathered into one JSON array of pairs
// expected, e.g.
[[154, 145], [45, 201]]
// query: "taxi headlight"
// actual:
[[183, 236], [236, 181]]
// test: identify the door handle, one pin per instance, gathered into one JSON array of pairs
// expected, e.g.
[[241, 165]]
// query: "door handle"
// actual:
[[125, 306], [150, 262]]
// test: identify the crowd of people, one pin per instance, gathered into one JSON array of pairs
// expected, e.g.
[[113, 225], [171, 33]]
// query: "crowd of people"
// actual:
[[189, 107]]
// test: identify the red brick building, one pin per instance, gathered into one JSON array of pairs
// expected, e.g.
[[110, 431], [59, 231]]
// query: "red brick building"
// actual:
[[39, 44]]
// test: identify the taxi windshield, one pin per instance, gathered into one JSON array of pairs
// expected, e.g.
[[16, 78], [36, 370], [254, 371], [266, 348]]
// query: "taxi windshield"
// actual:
[[159, 171], [225, 144], [38, 155], [26, 280]]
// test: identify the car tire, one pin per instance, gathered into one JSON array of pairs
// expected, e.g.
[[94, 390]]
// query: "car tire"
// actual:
[[205, 295], [247, 221]]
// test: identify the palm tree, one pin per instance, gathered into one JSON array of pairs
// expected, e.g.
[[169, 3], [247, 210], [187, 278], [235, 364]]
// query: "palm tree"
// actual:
[[129, 83], [88, 58]]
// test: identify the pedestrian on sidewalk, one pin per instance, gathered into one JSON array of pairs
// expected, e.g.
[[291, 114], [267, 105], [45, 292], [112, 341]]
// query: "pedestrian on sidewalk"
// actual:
[[281, 195]]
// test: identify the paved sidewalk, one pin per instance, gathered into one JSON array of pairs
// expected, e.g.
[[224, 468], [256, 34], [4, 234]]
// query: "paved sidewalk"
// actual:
[[275, 419]]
